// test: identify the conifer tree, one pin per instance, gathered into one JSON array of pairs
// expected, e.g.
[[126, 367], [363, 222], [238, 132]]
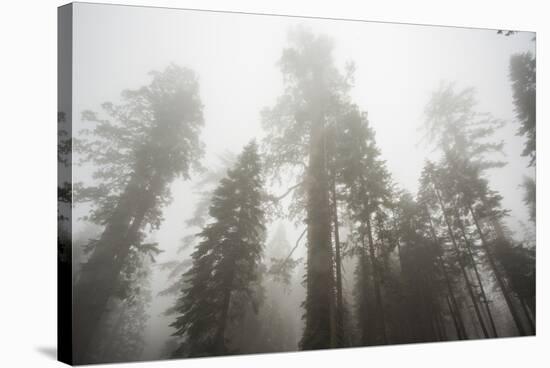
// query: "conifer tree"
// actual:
[[420, 272], [465, 139], [368, 186], [451, 261], [141, 146], [298, 136], [226, 262], [205, 187], [441, 183]]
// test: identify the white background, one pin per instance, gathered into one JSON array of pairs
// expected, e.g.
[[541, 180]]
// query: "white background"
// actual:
[[28, 181]]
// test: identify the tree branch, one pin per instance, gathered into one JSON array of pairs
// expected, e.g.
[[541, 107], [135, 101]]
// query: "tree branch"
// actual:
[[288, 191], [293, 249]]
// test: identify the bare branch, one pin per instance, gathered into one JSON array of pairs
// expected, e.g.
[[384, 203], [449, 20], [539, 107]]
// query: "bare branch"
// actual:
[[293, 249], [288, 191]]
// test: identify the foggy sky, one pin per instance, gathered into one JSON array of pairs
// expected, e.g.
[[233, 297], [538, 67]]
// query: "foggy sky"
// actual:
[[235, 56]]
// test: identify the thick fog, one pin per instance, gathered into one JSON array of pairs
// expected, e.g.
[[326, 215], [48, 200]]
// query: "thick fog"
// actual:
[[397, 69]]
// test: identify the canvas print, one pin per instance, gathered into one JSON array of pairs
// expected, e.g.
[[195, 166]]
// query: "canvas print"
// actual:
[[242, 183]]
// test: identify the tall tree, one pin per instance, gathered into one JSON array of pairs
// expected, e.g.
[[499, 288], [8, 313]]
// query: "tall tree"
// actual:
[[368, 189], [465, 138], [226, 262], [447, 259], [297, 141], [441, 184], [145, 142]]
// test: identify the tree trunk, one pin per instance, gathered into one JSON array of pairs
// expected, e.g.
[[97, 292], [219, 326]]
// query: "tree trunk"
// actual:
[[452, 312], [458, 315], [498, 276], [381, 322], [459, 321], [433, 307], [219, 344], [363, 306], [319, 297], [333, 307], [528, 315], [110, 346], [461, 264], [478, 277], [99, 276], [441, 324], [338, 260]]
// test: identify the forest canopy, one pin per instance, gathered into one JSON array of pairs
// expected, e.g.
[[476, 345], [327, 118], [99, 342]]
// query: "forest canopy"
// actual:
[[306, 195]]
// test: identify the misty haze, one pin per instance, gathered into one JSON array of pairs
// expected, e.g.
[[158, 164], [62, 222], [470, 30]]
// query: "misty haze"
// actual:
[[251, 183]]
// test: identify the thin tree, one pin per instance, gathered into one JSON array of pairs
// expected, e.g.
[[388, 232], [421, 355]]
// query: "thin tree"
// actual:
[[465, 139], [367, 184]]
